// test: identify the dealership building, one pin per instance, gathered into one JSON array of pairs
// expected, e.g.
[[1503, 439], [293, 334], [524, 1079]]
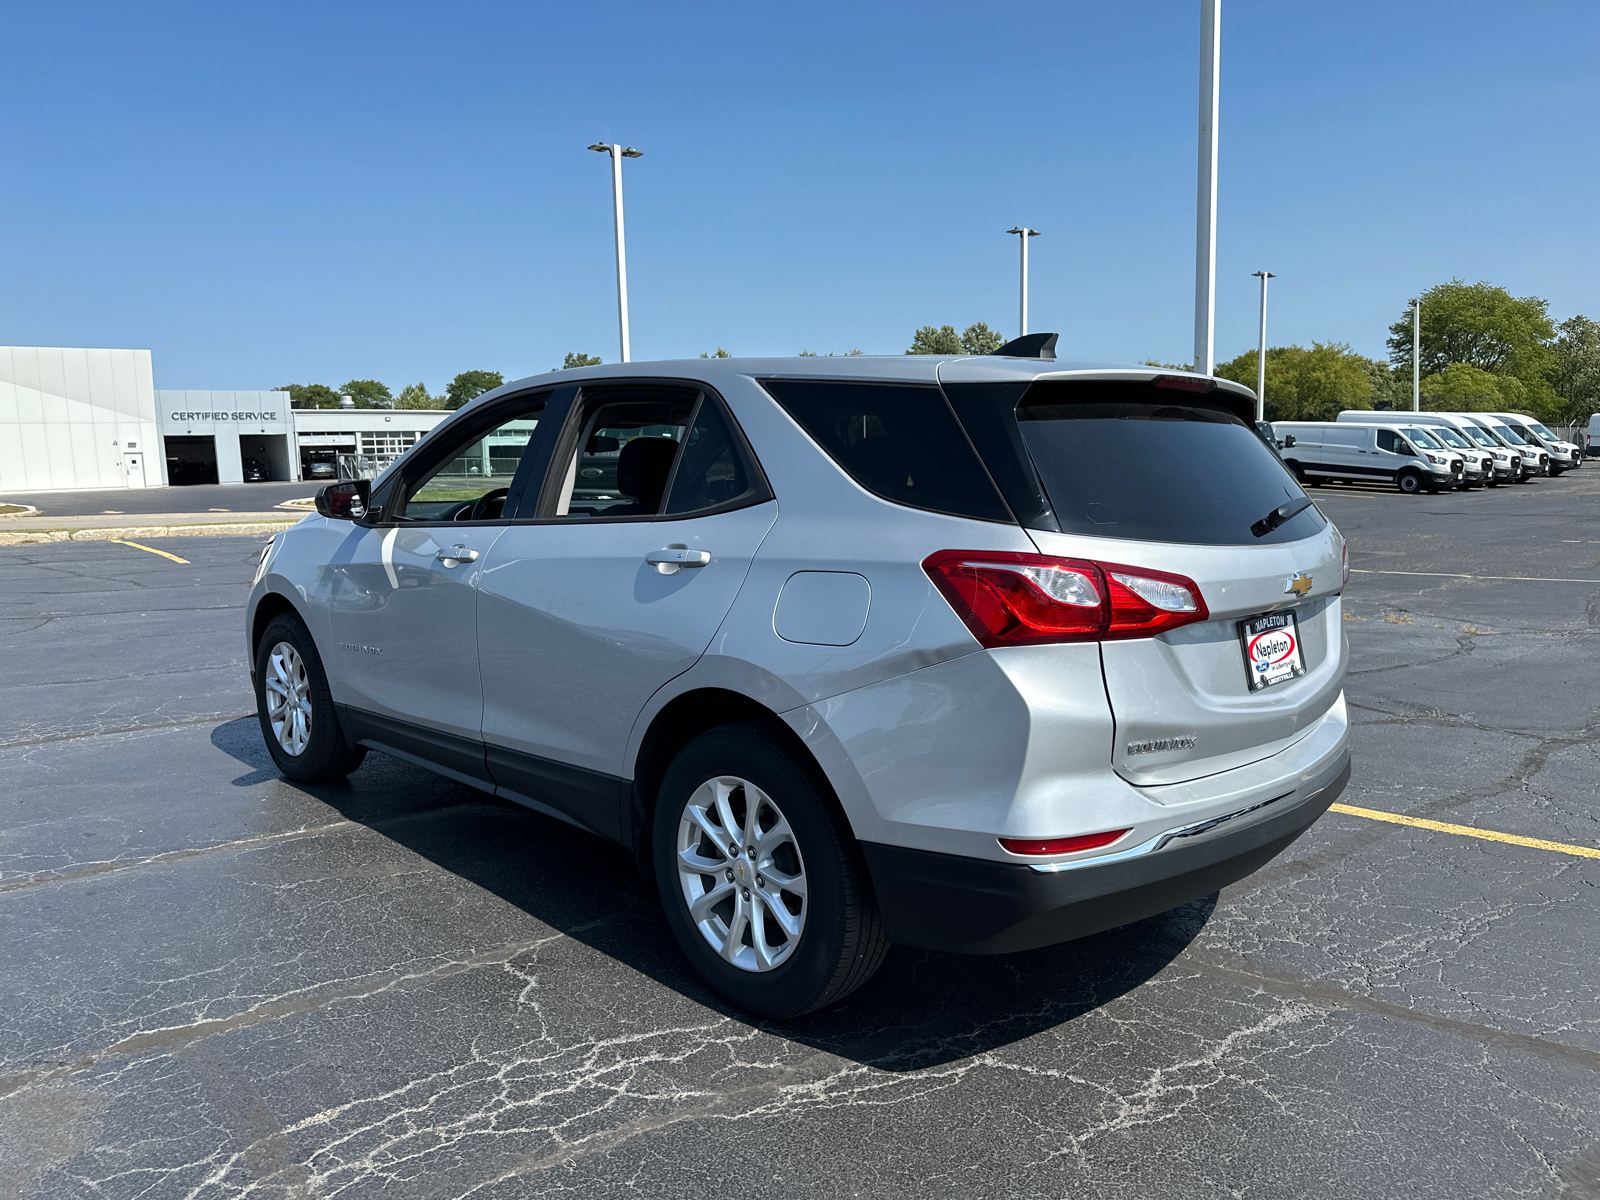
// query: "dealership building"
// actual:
[[80, 418]]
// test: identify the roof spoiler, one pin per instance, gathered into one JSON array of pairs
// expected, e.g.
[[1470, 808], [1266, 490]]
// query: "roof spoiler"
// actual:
[[1030, 345]]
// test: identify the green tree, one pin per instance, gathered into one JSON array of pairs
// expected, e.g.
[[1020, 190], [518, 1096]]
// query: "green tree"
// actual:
[[978, 338], [721, 353], [1461, 387], [1151, 362], [1575, 368], [469, 385], [416, 396], [368, 393], [576, 359], [1486, 327], [1306, 385], [310, 395], [1389, 390], [943, 340]]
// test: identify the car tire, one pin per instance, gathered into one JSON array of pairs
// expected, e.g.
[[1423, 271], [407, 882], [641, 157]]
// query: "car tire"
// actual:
[[295, 707], [833, 938], [1409, 482]]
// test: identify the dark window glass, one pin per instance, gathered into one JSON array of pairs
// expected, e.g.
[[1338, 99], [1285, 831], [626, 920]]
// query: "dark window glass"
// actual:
[[713, 471], [899, 441], [1127, 460], [1389, 440]]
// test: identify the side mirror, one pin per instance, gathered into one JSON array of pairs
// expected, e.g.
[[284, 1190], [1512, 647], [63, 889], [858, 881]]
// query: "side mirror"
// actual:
[[1288, 440], [346, 501], [1405, 449]]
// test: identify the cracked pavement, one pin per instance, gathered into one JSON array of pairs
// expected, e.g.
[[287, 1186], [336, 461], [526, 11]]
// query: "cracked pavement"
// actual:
[[214, 983]]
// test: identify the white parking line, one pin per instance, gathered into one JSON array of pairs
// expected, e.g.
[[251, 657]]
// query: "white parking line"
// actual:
[[1458, 575]]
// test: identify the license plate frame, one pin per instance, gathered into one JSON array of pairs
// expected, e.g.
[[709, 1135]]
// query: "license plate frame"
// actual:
[[1265, 663]]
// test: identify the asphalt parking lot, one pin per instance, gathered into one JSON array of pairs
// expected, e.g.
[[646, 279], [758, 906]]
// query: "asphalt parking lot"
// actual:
[[215, 983]]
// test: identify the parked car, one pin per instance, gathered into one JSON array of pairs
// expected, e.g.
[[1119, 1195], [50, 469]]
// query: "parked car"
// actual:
[[1564, 456], [1477, 464], [1407, 456], [857, 652], [322, 470], [255, 471], [1511, 464]]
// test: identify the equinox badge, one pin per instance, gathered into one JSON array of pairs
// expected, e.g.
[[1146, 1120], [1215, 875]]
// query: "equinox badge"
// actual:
[[1298, 584]]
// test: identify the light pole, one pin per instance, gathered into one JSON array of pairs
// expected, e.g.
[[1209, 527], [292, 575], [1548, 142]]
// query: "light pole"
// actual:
[[617, 154], [1261, 350], [1416, 356], [1023, 233], [1205, 242]]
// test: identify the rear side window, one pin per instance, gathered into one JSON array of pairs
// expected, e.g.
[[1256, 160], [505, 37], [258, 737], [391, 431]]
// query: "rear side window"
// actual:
[[715, 470], [900, 441], [1128, 460]]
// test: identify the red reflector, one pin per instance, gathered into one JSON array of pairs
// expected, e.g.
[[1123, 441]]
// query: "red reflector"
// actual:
[[1185, 383], [1010, 599], [1066, 845]]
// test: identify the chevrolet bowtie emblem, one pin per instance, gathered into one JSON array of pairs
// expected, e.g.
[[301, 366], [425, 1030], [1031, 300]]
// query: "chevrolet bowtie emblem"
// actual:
[[1298, 584]]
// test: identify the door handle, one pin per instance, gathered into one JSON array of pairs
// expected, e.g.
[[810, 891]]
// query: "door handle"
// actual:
[[456, 555], [676, 557]]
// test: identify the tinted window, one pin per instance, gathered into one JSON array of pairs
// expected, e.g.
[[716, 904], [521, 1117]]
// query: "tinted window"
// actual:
[[1389, 440], [899, 441], [1127, 460], [715, 471]]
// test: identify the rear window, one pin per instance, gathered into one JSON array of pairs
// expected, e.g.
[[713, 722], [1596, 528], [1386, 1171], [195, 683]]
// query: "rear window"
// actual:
[[1128, 460], [900, 441]]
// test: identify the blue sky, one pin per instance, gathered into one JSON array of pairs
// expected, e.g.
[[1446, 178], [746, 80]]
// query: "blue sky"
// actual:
[[268, 193]]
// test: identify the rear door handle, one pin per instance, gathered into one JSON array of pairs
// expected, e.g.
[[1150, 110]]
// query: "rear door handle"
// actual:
[[675, 558], [456, 555]]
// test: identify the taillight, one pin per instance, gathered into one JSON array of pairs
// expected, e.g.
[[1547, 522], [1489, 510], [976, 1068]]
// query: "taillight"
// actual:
[[1065, 845], [1009, 599]]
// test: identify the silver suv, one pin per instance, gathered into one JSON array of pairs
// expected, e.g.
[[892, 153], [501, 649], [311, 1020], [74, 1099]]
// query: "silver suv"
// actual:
[[976, 654]]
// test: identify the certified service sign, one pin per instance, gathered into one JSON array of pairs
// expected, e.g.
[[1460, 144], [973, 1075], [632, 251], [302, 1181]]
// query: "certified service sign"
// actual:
[[1271, 649]]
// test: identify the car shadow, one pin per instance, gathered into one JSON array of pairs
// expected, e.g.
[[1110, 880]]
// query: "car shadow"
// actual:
[[922, 1009]]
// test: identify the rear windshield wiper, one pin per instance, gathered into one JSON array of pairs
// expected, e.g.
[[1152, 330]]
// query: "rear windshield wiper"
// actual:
[[1283, 513]]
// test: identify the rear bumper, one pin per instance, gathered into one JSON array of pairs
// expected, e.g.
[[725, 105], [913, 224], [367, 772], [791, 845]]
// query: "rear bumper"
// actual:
[[975, 906]]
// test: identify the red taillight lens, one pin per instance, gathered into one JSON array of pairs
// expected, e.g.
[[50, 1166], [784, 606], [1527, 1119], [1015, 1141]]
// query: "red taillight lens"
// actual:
[[1009, 599], [1066, 845]]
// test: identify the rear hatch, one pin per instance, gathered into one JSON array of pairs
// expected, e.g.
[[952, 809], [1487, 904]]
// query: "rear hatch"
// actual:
[[1157, 476]]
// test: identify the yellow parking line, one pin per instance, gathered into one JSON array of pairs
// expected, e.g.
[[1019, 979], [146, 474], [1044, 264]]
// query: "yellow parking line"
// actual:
[[1488, 835], [151, 549]]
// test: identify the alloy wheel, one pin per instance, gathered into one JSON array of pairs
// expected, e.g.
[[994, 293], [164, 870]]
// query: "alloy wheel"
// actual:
[[288, 699], [741, 874]]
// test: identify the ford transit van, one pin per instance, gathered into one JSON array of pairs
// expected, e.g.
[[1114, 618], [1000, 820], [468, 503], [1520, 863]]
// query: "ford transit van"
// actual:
[[1478, 463], [1409, 457], [1534, 457], [1509, 466], [1564, 456]]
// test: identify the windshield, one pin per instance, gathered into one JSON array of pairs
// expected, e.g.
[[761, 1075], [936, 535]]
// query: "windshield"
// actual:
[[1511, 435], [1422, 438], [1485, 437], [1449, 437], [1543, 432], [1210, 480]]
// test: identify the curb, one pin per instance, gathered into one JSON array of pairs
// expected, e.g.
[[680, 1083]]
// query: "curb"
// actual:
[[28, 510], [37, 537]]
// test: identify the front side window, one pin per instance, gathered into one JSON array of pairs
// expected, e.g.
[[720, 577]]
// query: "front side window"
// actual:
[[1391, 441], [474, 477]]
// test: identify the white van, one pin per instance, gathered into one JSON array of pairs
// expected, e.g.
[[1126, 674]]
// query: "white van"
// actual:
[[1532, 454], [1409, 457], [1509, 466], [1564, 456], [1478, 463], [1591, 439]]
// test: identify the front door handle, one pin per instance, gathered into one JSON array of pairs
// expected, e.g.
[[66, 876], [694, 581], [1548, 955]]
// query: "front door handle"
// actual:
[[676, 557], [456, 555]]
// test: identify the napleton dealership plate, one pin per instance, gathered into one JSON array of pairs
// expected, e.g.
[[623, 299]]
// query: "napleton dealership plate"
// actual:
[[1271, 647]]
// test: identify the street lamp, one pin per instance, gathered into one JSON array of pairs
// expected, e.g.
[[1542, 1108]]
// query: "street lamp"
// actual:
[[617, 154], [1205, 242], [1416, 356], [1023, 233], [1261, 352]]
